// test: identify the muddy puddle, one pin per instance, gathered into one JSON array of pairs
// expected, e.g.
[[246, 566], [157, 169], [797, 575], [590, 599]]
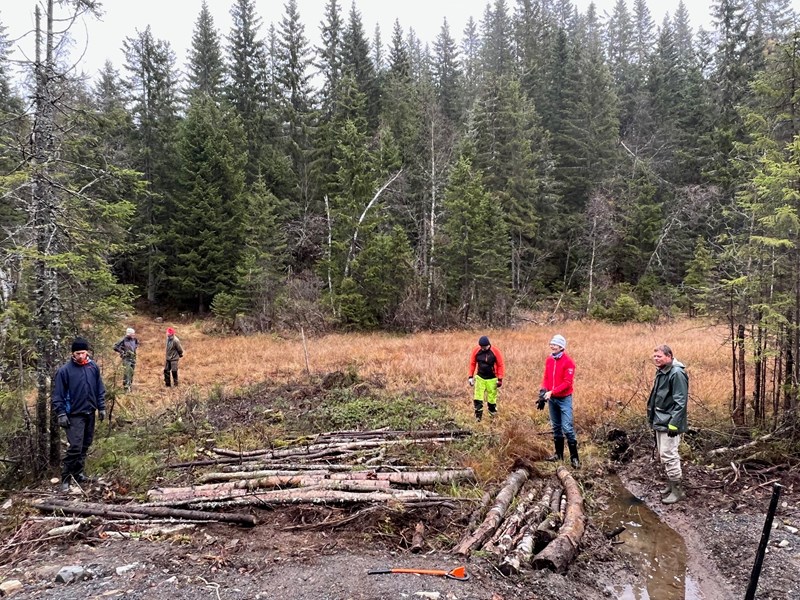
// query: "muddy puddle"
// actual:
[[652, 547]]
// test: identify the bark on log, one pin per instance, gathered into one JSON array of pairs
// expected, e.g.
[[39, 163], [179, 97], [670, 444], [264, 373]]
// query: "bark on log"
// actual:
[[503, 540], [333, 467], [524, 543], [555, 501], [480, 512], [418, 540], [421, 478], [233, 489], [326, 497], [328, 448], [390, 434], [138, 511], [495, 515], [562, 550]]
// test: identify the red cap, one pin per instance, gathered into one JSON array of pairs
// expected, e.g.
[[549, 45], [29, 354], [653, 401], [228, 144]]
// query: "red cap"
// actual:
[[170, 331]]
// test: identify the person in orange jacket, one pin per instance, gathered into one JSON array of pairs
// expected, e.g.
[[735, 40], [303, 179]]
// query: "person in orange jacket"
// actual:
[[486, 370], [556, 391]]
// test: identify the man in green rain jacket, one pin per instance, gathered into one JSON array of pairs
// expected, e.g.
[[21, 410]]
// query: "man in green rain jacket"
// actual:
[[666, 413]]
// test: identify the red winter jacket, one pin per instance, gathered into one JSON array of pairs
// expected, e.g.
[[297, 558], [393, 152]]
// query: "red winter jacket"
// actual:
[[489, 363], [558, 375]]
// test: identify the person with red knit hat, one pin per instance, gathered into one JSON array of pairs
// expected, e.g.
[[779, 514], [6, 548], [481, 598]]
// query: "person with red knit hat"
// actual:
[[486, 370], [174, 354]]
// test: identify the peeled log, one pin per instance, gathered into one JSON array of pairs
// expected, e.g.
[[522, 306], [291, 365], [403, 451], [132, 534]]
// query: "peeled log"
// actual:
[[495, 515], [562, 550]]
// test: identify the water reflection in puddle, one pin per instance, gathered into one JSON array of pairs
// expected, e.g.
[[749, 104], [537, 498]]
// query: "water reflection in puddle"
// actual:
[[654, 548]]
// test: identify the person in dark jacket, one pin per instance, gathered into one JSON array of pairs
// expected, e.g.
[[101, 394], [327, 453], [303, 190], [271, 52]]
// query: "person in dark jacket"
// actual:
[[174, 354], [78, 392], [666, 413], [126, 348], [556, 391], [486, 370]]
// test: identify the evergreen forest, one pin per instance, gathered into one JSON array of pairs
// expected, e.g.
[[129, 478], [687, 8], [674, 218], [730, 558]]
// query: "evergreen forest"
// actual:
[[623, 167]]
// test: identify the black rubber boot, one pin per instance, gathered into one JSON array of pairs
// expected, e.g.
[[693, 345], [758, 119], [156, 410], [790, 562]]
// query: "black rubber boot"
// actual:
[[478, 409], [573, 455], [175, 378], [558, 443], [166, 379]]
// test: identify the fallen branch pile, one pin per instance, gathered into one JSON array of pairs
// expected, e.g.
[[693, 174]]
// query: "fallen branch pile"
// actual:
[[544, 530]]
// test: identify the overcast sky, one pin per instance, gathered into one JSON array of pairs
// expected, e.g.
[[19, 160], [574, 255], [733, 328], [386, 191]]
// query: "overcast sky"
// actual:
[[173, 20]]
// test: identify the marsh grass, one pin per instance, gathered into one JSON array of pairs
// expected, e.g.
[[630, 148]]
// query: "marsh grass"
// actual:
[[418, 381]]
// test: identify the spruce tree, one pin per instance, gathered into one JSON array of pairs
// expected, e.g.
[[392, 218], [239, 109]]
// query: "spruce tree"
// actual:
[[205, 71], [330, 56], [293, 61], [208, 230], [357, 62], [473, 257], [447, 76], [152, 87]]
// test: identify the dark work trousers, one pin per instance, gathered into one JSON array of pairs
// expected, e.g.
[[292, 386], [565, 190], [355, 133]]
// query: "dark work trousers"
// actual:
[[171, 366], [80, 434]]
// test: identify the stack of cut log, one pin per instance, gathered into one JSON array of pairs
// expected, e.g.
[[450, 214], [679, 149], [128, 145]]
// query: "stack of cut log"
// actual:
[[297, 473], [543, 530]]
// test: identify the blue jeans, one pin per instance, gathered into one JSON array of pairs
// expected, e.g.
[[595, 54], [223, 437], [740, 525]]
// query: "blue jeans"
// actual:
[[561, 417]]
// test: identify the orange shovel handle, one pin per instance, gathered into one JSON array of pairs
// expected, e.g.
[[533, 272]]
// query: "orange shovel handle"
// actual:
[[421, 571]]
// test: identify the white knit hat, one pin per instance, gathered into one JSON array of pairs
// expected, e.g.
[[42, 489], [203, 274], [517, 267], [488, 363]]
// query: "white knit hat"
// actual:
[[129, 331], [559, 340]]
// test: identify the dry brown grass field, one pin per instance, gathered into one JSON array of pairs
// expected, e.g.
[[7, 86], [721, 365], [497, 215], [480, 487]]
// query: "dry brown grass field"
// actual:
[[613, 375]]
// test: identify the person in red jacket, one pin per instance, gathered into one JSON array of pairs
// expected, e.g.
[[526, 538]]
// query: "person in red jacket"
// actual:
[[556, 391], [486, 370]]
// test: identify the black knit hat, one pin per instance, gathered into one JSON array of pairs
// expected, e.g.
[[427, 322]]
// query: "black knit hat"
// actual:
[[79, 344], [484, 341]]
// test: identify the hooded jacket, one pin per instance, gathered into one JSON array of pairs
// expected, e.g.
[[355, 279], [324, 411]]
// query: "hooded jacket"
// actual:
[[668, 398], [78, 389]]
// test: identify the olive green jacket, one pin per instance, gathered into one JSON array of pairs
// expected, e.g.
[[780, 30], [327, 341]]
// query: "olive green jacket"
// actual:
[[668, 398], [174, 348]]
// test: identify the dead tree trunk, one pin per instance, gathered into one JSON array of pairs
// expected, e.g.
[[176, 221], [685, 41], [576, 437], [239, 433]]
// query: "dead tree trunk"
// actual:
[[503, 500], [560, 552], [44, 208]]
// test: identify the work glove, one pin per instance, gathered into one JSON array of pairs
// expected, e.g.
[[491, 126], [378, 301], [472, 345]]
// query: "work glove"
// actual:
[[672, 431], [499, 383], [541, 402], [471, 381], [63, 421], [102, 415]]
